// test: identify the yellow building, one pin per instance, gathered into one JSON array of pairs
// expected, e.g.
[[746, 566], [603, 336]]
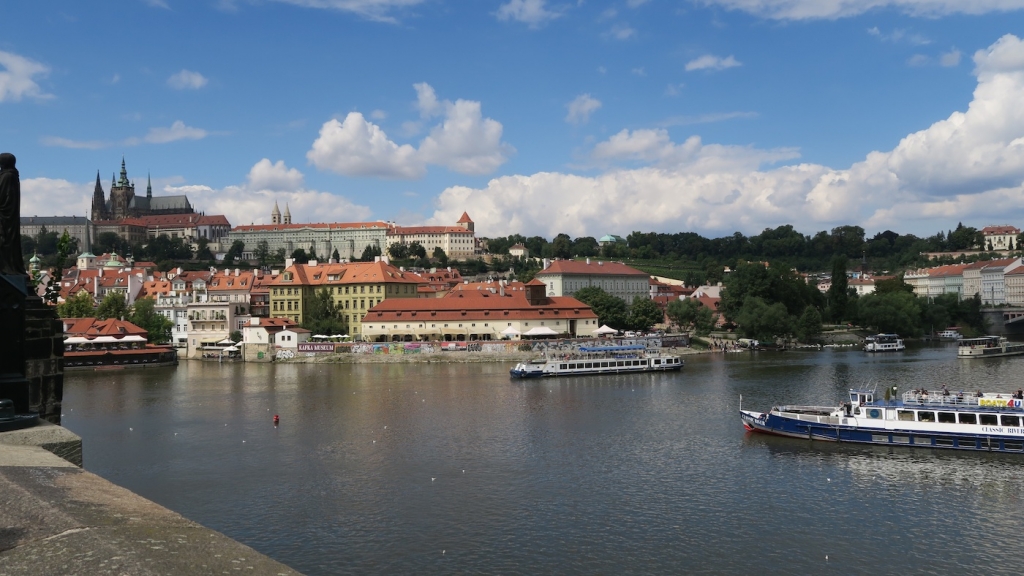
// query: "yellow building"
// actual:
[[355, 288]]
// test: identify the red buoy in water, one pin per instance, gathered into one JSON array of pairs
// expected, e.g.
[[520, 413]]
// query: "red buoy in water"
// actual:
[[277, 419]]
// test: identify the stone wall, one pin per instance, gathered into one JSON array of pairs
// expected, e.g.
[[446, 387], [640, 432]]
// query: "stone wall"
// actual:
[[44, 359]]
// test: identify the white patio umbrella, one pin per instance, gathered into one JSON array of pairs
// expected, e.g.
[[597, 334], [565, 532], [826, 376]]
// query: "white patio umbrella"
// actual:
[[605, 330], [76, 340], [540, 331], [226, 341], [510, 331], [231, 349]]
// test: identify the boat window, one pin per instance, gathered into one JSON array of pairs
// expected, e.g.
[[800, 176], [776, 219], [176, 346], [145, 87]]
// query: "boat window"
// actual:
[[900, 439], [947, 417], [1010, 421], [1017, 446], [588, 365], [572, 366], [657, 361], [944, 442], [924, 416], [988, 420], [563, 366], [968, 419], [906, 414]]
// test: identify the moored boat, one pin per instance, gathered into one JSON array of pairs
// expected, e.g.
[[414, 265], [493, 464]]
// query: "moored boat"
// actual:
[[598, 360], [883, 343], [933, 419], [987, 347], [949, 334]]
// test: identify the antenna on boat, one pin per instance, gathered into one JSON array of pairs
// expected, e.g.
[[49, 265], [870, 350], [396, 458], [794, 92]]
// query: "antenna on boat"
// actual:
[[741, 402]]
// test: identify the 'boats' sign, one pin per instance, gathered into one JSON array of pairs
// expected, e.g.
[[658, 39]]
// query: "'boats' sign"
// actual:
[[1001, 402]]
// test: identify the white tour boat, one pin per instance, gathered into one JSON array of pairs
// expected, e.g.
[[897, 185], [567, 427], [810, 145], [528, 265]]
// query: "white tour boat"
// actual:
[[950, 334], [598, 360], [987, 347], [923, 418], [883, 343]]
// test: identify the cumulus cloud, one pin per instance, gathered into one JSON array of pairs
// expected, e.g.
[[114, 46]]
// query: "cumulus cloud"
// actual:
[[712, 62], [464, 141], [156, 135], [950, 59], [378, 10], [819, 9], [581, 108], [969, 166], [267, 175], [55, 197], [621, 31], [534, 13], [177, 131], [18, 79], [187, 80]]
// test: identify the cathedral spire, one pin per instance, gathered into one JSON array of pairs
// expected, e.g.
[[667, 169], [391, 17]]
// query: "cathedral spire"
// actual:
[[99, 200], [287, 214], [149, 186], [275, 215], [124, 174]]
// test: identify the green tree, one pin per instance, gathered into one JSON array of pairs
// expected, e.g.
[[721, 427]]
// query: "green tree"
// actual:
[[299, 256], [322, 316], [369, 253], [894, 284], [234, 252], [77, 306], [808, 326], [683, 313], [837, 296], [416, 250], [891, 312], [644, 314], [203, 250], [398, 251], [610, 310], [236, 336], [144, 315], [107, 242], [65, 246], [112, 306], [335, 256], [704, 321], [262, 253], [759, 320], [440, 256]]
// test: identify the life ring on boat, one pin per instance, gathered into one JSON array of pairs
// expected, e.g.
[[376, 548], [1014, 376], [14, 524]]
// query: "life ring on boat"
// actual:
[[874, 413]]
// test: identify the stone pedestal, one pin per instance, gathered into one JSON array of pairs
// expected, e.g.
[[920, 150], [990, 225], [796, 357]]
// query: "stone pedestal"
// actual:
[[31, 350]]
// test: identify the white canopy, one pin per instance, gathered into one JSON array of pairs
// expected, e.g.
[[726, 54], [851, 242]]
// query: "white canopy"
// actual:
[[321, 336], [104, 339], [226, 342], [76, 340], [540, 331], [606, 330], [133, 338], [510, 331], [231, 349]]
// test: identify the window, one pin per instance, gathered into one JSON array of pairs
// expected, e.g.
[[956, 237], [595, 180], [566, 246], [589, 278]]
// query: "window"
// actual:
[[906, 415], [968, 419], [988, 420], [926, 416], [947, 418], [1013, 421]]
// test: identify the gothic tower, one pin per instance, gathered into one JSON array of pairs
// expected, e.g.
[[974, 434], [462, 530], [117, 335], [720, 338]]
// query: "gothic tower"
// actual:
[[121, 195], [275, 216], [149, 187], [99, 201], [287, 214]]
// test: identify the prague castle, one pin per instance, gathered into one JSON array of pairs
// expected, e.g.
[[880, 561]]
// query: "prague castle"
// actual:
[[123, 203]]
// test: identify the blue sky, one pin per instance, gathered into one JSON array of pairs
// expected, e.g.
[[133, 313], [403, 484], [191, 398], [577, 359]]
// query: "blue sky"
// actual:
[[534, 116]]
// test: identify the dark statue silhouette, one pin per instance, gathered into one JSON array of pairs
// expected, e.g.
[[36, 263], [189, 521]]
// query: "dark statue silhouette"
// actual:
[[11, 260]]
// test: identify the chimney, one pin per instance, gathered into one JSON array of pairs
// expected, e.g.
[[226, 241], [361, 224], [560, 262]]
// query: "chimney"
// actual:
[[313, 263], [289, 262], [376, 259], [99, 272], [236, 271], [501, 288], [545, 263], [254, 321], [588, 261]]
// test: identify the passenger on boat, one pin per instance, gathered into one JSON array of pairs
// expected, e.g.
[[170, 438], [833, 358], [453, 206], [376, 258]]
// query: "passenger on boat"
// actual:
[[1020, 394], [979, 394], [945, 392]]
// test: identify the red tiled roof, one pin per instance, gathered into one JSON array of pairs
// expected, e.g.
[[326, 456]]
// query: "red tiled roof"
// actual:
[[91, 327], [215, 220], [170, 220], [594, 267], [331, 226], [993, 230], [350, 273], [409, 230], [465, 218], [497, 308]]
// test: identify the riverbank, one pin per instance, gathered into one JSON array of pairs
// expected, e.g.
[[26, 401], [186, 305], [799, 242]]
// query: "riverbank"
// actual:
[[447, 357]]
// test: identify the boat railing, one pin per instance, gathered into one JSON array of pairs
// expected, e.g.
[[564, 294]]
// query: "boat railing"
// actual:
[[816, 414], [948, 398]]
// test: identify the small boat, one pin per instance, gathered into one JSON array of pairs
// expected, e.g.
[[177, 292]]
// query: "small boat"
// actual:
[[990, 421], [987, 347], [883, 343], [949, 334], [598, 360]]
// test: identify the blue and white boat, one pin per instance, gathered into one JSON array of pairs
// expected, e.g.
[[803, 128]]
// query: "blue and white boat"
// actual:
[[991, 422], [883, 343], [598, 360]]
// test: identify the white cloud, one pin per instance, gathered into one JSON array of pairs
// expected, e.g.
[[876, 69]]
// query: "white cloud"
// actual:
[[674, 89], [464, 141], [157, 135], [918, 60], [55, 197], [177, 131], [378, 10], [639, 72], [157, 4], [378, 115], [708, 118], [265, 175], [534, 13], [17, 80], [967, 167], [581, 108], [356, 147], [832, 9], [712, 62], [622, 31], [900, 35], [636, 3], [187, 80], [950, 59]]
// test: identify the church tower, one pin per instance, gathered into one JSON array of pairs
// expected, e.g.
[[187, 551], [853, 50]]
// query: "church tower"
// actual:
[[287, 214], [275, 216], [121, 195], [99, 201], [149, 187]]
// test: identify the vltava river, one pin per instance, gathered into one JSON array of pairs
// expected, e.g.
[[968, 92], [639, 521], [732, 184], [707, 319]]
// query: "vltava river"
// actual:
[[455, 468]]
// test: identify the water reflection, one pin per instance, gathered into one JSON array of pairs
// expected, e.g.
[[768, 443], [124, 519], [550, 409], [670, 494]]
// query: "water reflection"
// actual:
[[377, 468]]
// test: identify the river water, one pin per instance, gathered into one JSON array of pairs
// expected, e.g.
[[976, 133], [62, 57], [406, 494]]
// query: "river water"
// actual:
[[455, 468]]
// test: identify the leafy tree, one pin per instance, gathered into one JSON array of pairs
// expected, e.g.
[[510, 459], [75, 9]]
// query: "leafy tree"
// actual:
[[766, 322], [585, 247], [643, 314], [164, 247], [28, 245], [77, 306], [683, 313], [837, 296], [322, 316], [561, 246], [236, 336], [112, 306], [278, 257], [369, 253], [398, 251], [145, 316], [897, 312], [416, 250], [440, 256], [895, 284], [335, 256], [299, 256], [46, 242], [262, 253], [704, 322], [65, 246], [808, 327], [610, 310], [312, 253], [203, 250], [107, 242], [772, 284], [234, 252]]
